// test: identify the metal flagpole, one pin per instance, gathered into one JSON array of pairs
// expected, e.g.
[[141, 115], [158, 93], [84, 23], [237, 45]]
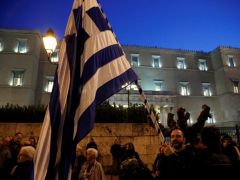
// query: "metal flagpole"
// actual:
[[150, 112]]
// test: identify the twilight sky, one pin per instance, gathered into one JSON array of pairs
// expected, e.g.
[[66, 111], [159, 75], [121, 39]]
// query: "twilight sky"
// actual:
[[181, 24]]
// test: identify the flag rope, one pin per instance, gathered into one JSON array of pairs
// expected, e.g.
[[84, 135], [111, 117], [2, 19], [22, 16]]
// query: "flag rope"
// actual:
[[150, 112]]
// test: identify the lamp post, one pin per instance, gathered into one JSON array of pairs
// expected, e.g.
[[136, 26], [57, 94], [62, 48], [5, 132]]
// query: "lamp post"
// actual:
[[50, 43], [128, 87]]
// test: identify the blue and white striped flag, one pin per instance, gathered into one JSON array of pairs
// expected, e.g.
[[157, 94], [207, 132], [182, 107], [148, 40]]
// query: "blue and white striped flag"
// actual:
[[92, 67]]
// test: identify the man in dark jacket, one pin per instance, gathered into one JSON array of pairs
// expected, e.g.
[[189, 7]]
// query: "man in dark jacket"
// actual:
[[174, 160]]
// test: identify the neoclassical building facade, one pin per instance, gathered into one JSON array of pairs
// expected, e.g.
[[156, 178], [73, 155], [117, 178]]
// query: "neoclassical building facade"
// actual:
[[170, 78]]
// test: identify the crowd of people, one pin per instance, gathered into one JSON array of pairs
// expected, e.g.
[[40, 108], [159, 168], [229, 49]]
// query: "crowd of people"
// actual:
[[192, 152], [16, 158]]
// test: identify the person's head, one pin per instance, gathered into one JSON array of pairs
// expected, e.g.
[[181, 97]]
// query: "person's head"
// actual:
[[181, 112], [26, 153], [170, 116], [18, 137], [226, 140], [177, 139], [92, 144], [210, 137], [6, 140], [32, 140], [129, 149], [187, 115], [197, 143], [92, 154], [117, 141]]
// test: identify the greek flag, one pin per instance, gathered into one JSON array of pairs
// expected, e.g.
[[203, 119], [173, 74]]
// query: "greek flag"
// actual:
[[92, 67]]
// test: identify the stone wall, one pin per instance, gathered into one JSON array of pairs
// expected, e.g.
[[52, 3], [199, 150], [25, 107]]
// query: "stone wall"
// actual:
[[144, 138]]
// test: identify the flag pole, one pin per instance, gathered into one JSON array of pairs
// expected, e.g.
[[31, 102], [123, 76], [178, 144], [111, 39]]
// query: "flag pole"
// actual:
[[150, 112]]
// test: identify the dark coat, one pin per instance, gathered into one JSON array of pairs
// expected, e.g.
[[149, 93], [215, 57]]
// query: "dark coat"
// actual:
[[23, 171]]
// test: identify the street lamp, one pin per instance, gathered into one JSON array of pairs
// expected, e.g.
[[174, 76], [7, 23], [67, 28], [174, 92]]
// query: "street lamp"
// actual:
[[128, 87], [50, 43]]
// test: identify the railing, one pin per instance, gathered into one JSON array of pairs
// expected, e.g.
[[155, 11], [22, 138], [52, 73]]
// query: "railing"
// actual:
[[148, 92], [234, 132]]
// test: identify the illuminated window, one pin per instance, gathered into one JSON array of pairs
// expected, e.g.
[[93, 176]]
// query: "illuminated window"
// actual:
[[184, 88], [206, 89], [1, 45], [158, 85], [181, 63], [211, 120], [235, 86], [202, 65], [231, 61], [55, 56], [21, 46], [135, 60], [17, 78], [190, 120], [156, 61], [49, 84]]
